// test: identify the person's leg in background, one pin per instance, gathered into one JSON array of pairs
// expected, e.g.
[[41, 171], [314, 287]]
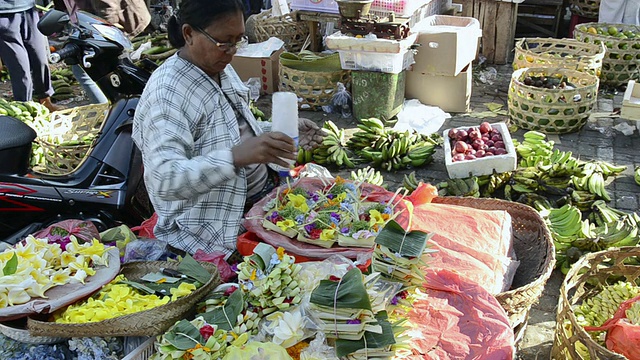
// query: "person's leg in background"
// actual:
[[632, 12], [95, 95], [36, 45], [14, 56]]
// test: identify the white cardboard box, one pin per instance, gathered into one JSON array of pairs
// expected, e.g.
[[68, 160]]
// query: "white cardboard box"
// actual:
[[340, 41], [631, 102], [483, 166], [449, 93]]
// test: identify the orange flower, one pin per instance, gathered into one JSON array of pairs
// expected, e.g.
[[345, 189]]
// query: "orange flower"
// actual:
[[339, 180], [423, 194], [386, 216]]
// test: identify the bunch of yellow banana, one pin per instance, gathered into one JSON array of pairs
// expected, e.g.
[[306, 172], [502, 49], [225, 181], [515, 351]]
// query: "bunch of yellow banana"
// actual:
[[636, 175], [594, 311], [304, 156], [411, 182], [460, 187], [333, 149], [368, 175]]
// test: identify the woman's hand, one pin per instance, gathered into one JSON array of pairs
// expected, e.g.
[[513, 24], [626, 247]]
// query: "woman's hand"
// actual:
[[264, 149], [310, 135]]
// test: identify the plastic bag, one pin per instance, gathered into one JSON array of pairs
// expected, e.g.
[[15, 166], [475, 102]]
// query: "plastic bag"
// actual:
[[318, 349], [423, 119], [622, 337], [286, 328], [257, 350], [341, 101], [217, 258], [145, 250], [120, 235], [60, 231], [145, 230], [254, 86]]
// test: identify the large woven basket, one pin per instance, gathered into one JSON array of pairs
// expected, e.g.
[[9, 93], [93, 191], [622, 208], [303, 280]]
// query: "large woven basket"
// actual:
[[553, 111], [64, 140], [534, 249], [150, 322], [585, 8], [286, 28], [585, 278], [559, 53], [621, 62], [16, 330]]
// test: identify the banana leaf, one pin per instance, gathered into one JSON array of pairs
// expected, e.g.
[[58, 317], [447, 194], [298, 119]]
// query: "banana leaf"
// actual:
[[226, 316], [184, 335], [351, 292], [316, 63], [191, 268], [370, 340], [407, 244]]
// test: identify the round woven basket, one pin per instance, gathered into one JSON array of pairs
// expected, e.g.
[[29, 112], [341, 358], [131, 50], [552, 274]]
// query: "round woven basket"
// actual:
[[585, 8], [534, 249], [313, 88], [19, 333], [553, 111], [150, 322], [559, 53], [286, 28], [621, 62], [585, 278]]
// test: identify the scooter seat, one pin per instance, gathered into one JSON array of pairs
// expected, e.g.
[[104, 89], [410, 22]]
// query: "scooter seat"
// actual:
[[15, 145]]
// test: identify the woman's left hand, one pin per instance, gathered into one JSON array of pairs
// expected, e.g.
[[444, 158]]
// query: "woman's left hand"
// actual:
[[310, 135]]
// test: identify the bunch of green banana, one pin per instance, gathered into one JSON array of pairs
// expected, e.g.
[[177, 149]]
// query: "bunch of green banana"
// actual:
[[62, 80], [371, 130], [333, 149], [596, 310], [461, 187], [582, 199], [534, 200], [257, 113], [29, 112], [496, 181], [4, 74], [534, 147], [368, 175], [636, 175], [525, 180], [304, 156], [411, 182], [607, 169], [565, 224]]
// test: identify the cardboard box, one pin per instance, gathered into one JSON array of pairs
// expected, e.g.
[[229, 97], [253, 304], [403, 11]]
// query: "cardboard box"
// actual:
[[482, 166], [450, 93], [631, 102], [447, 44], [261, 63]]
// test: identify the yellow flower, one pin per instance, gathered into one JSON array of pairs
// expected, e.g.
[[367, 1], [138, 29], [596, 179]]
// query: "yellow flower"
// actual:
[[327, 234], [27, 252], [339, 180], [280, 253], [82, 264], [340, 198], [183, 290], [375, 218], [285, 225], [61, 277], [299, 202], [67, 258]]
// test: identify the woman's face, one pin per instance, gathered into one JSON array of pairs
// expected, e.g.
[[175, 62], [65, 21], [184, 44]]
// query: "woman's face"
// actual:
[[212, 53]]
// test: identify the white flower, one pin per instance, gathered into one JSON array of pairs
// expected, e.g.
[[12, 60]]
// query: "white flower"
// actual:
[[288, 329]]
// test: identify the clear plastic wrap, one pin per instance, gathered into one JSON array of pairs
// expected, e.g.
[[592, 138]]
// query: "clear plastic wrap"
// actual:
[[145, 250]]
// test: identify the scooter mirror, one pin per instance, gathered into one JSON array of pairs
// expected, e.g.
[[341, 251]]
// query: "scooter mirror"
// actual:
[[52, 22]]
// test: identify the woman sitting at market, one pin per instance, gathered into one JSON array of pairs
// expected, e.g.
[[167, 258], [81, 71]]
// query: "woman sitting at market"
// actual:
[[205, 155]]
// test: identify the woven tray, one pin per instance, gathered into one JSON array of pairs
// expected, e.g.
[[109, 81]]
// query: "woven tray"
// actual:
[[64, 140], [313, 88], [585, 8], [534, 249], [17, 332], [553, 111], [571, 341], [621, 62], [286, 28], [150, 322], [559, 53]]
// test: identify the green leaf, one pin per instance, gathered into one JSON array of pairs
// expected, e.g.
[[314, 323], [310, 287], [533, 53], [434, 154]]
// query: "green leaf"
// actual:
[[410, 245], [351, 292], [139, 286], [226, 316], [191, 268], [11, 266], [184, 335], [373, 340]]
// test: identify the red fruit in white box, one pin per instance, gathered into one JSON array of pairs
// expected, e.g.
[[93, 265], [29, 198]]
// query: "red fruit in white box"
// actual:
[[452, 133], [462, 135], [489, 143], [488, 153], [461, 147], [470, 157], [486, 137], [485, 127], [474, 135], [470, 151], [480, 153], [499, 145], [501, 151], [477, 144], [458, 157], [496, 138]]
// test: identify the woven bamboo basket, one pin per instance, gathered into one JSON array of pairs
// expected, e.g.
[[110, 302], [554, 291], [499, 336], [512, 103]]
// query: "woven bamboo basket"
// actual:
[[18, 332], [621, 62], [150, 322], [64, 140], [534, 249], [585, 278], [585, 8], [286, 28], [559, 53], [553, 111], [314, 82]]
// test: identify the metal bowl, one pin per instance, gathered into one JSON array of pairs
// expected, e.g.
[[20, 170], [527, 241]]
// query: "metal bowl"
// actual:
[[354, 9]]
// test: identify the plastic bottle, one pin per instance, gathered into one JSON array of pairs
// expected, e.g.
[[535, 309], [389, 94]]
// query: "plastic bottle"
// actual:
[[284, 118]]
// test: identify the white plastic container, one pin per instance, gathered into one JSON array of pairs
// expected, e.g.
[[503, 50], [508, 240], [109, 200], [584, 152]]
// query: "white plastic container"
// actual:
[[325, 6], [284, 118], [482, 166], [378, 62]]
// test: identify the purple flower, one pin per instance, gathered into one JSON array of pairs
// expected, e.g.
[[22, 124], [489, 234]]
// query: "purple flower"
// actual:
[[335, 218], [234, 267], [352, 322], [345, 230], [394, 300], [313, 196], [274, 215], [330, 196], [387, 210], [309, 227]]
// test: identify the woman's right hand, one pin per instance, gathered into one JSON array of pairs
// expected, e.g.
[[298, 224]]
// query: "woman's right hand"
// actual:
[[271, 147]]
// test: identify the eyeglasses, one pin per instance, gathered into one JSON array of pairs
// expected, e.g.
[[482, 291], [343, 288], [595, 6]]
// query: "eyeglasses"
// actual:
[[226, 47]]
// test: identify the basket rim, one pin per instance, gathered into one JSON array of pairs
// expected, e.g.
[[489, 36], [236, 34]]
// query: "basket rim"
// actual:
[[582, 29], [599, 49], [24, 336], [593, 80]]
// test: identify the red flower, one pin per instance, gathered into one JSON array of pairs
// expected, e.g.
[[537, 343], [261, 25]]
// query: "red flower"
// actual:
[[334, 278], [230, 291], [206, 331], [315, 234]]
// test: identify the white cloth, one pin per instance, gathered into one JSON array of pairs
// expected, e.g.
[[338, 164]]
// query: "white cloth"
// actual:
[[620, 12]]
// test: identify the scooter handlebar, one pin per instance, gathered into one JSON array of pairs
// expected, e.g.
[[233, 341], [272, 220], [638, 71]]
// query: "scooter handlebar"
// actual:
[[66, 52]]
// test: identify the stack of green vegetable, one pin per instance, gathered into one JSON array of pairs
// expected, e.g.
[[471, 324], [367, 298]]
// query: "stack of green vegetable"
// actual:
[[62, 79], [160, 48]]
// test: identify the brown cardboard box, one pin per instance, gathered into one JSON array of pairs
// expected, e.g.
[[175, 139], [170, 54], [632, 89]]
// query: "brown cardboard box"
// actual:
[[450, 93], [265, 68]]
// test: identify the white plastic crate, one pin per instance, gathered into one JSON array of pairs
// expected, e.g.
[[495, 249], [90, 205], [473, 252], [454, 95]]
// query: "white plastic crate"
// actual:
[[378, 62], [401, 8], [325, 6], [142, 352], [483, 166]]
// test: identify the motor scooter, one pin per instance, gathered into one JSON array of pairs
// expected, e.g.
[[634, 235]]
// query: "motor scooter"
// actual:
[[107, 187]]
